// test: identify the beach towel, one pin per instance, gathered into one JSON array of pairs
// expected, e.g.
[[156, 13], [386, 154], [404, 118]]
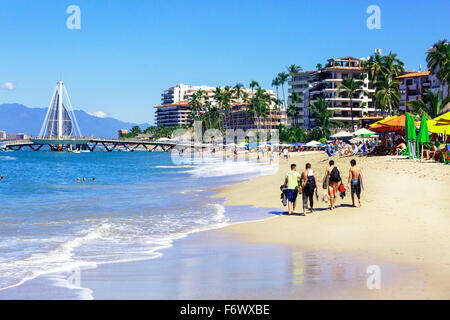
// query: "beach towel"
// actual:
[[326, 181], [361, 181], [283, 196]]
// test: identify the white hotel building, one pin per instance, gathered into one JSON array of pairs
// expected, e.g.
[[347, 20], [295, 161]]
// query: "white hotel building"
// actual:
[[323, 84]]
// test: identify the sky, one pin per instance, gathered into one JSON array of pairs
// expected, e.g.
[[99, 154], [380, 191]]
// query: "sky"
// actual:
[[125, 53]]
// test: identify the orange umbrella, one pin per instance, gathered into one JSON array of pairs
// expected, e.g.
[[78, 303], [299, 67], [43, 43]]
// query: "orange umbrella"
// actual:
[[397, 123]]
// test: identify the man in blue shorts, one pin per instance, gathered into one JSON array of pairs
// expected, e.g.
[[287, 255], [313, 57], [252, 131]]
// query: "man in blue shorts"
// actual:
[[291, 187], [354, 180]]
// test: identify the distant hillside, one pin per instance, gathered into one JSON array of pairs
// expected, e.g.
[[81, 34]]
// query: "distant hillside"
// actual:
[[15, 118]]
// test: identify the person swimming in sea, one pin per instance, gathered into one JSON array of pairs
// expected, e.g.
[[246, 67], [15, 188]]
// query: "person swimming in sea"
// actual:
[[354, 179]]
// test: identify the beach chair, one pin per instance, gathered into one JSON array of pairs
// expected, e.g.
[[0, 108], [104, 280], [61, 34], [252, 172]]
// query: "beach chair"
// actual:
[[358, 151]]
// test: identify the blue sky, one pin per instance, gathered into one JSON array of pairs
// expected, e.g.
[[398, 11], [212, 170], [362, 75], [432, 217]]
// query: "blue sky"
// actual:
[[127, 52]]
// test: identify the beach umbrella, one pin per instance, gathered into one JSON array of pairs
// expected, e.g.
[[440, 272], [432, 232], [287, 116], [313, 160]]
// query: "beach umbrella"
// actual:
[[423, 136], [363, 133], [341, 134], [378, 126], [440, 124], [313, 143], [381, 121], [410, 135], [412, 128]]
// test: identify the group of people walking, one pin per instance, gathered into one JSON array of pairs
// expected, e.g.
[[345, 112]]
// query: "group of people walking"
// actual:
[[306, 183]]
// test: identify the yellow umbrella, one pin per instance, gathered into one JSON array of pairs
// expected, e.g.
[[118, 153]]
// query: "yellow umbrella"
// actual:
[[440, 124]]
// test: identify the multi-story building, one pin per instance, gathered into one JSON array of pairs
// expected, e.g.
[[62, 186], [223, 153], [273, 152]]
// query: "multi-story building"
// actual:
[[174, 109], [16, 136], [173, 114], [183, 92], [2, 135], [323, 83], [413, 86], [237, 118]]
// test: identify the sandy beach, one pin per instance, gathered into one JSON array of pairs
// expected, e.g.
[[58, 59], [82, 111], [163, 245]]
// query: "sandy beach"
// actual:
[[404, 218]]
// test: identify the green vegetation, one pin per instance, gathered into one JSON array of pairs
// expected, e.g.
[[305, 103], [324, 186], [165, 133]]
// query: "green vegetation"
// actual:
[[382, 70], [438, 60], [213, 115], [323, 118], [155, 132], [430, 106]]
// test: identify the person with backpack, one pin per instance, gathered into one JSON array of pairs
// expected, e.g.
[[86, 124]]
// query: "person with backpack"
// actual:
[[309, 185], [334, 179]]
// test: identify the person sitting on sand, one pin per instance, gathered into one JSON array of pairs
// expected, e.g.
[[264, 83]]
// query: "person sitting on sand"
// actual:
[[354, 178], [400, 148], [308, 181], [291, 187], [333, 176], [431, 153]]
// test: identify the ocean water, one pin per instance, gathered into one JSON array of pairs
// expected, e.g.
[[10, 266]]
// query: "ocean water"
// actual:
[[138, 204]]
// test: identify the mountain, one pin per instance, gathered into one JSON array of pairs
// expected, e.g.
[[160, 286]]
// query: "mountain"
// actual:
[[17, 118]]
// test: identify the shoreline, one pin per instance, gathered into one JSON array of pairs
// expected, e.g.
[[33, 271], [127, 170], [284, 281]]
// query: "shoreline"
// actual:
[[390, 225]]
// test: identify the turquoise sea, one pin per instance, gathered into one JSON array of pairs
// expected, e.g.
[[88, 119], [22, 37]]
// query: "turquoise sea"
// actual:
[[138, 204]]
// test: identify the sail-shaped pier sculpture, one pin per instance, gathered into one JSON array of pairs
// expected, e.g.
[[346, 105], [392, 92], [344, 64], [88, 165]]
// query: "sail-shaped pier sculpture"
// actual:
[[60, 127]]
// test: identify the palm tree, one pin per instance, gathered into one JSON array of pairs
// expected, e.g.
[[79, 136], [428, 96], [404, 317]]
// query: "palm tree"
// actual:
[[318, 66], [213, 117], [387, 96], [283, 76], [430, 107], [323, 116], [438, 60], [292, 108], [259, 107], [254, 84], [293, 69], [196, 103], [238, 91], [276, 83], [351, 88], [392, 65], [375, 67]]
